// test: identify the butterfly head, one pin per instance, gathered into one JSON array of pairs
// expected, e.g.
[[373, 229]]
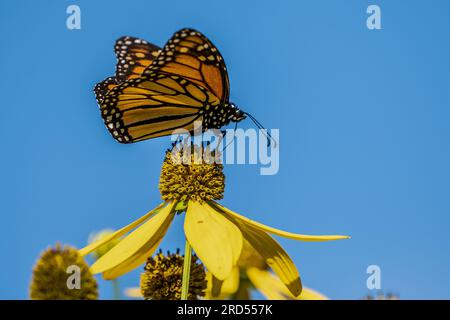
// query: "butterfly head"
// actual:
[[236, 114]]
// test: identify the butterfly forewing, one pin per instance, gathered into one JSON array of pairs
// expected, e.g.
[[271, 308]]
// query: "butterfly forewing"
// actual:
[[190, 55], [134, 55], [102, 88]]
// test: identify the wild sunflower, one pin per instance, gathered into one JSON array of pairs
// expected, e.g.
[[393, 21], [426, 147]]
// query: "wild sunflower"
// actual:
[[162, 277], [56, 274], [252, 272], [191, 183]]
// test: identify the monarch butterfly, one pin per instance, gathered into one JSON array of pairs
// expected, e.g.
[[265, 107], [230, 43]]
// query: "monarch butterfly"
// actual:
[[156, 91]]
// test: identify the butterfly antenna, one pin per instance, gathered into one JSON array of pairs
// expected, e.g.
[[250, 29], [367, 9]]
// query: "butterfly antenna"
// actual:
[[264, 131], [224, 134]]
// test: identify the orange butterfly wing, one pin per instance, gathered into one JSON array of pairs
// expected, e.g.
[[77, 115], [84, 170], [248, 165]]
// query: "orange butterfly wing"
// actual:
[[133, 55], [102, 88], [154, 105], [190, 55], [157, 91]]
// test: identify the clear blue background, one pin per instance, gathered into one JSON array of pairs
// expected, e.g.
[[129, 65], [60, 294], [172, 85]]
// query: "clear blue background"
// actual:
[[363, 118]]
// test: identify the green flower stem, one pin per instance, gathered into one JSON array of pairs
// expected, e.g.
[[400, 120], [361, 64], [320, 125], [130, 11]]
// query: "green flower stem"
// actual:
[[186, 271], [116, 289]]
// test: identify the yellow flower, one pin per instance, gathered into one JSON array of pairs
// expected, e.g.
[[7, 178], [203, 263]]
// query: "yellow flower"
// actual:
[[215, 233], [52, 273], [250, 273], [162, 277]]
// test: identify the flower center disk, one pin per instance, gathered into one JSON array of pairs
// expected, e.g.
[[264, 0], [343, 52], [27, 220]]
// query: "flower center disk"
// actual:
[[162, 277], [192, 176]]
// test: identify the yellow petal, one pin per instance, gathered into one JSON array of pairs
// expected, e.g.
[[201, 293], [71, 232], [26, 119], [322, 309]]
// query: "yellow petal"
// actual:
[[273, 289], [134, 249], [310, 294], [281, 233], [133, 292], [275, 257], [215, 285], [228, 287], [214, 238], [268, 284], [119, 233], [231, 284], [137, 259]]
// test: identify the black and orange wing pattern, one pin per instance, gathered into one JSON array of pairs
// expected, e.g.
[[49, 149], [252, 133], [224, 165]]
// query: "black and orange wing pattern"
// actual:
[[134, 55], [190, 54], [186, 81], [102, 88], [154, 105]]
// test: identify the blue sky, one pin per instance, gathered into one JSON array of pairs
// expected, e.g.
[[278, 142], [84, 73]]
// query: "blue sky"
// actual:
[[363, 118]]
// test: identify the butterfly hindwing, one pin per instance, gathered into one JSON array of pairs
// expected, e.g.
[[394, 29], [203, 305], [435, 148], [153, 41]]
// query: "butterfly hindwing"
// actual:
[[134, 55], [190, 55], [154, 105]]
